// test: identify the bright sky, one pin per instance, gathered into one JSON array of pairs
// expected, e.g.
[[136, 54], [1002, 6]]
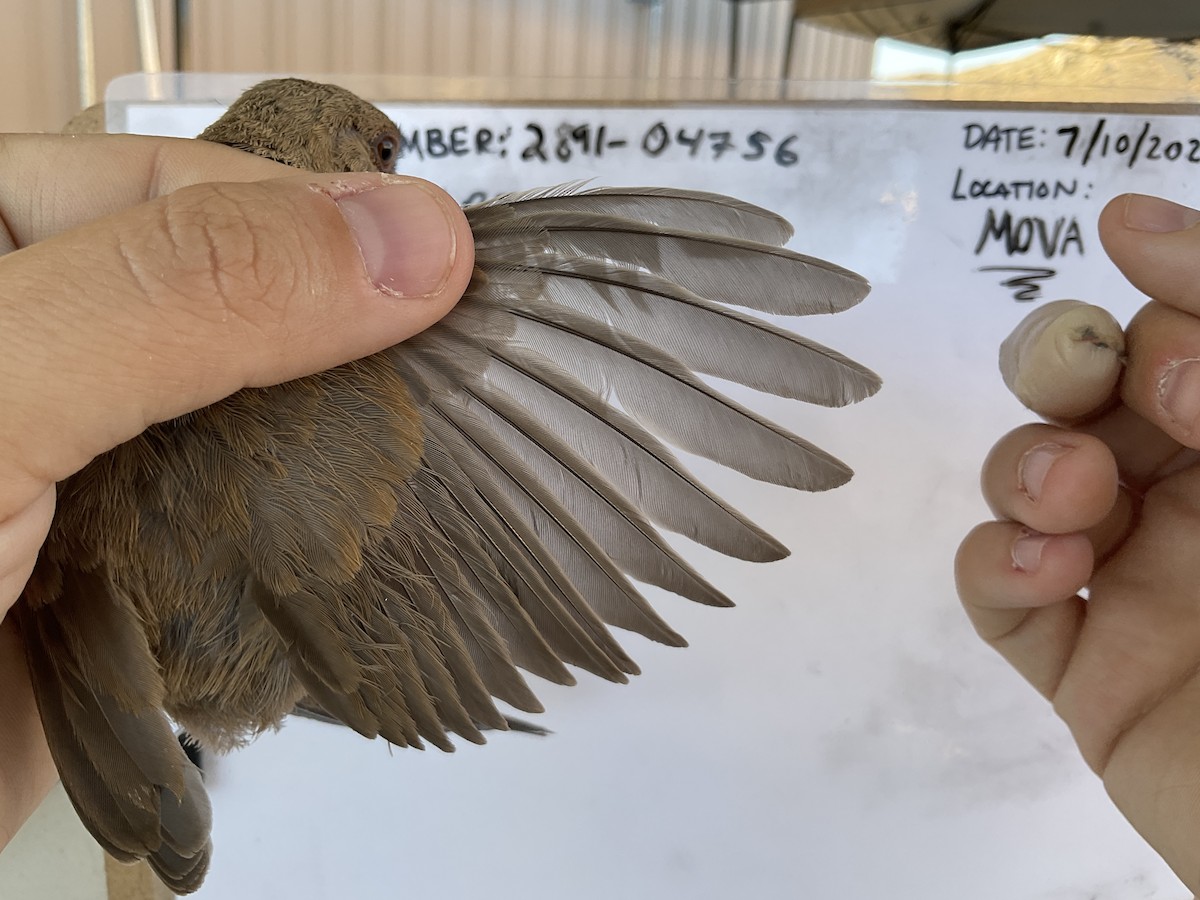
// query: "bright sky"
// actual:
[[895, 59]]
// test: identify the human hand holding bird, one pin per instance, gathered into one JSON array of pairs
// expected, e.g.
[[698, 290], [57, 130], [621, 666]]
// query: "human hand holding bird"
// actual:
[[394, 539]]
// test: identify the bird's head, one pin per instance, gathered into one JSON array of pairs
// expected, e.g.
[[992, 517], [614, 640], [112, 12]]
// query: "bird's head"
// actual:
[[318, 127]]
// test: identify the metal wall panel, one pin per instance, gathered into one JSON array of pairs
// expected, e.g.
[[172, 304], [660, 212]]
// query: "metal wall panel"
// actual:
[[670, 39], [643, 42], [38, 67]]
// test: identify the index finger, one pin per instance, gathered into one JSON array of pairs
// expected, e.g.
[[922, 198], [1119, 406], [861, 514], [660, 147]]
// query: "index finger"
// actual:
[[51, 183]]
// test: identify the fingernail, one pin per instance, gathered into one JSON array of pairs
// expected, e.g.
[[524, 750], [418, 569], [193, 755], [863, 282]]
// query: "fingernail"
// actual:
[[1179, 392], [406, 239], [1144, 213], [1031, 471], [1027, 551]]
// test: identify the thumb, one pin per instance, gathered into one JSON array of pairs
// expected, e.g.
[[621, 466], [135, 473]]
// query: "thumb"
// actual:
[[173, 304]]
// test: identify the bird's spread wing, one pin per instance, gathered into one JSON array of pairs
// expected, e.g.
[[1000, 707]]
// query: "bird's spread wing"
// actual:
[[549, 399], [409, 579]]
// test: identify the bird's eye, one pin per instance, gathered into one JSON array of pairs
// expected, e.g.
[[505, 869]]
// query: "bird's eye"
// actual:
[[385, 151]]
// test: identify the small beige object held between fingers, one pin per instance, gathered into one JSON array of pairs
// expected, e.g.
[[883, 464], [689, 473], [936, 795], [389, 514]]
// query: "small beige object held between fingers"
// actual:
[[1064, 360]]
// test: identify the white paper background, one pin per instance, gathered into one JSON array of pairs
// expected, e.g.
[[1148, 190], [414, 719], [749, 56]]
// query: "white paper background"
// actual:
[[841, 733]]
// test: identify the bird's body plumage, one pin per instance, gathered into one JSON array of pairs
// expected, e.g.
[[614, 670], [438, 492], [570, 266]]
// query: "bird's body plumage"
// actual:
[[393, 540]]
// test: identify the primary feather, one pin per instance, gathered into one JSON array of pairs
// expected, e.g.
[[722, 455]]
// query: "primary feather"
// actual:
[[388, 544]]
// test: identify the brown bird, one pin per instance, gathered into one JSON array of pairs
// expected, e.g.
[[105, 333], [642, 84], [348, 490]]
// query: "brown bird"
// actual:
[[389, 542]]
